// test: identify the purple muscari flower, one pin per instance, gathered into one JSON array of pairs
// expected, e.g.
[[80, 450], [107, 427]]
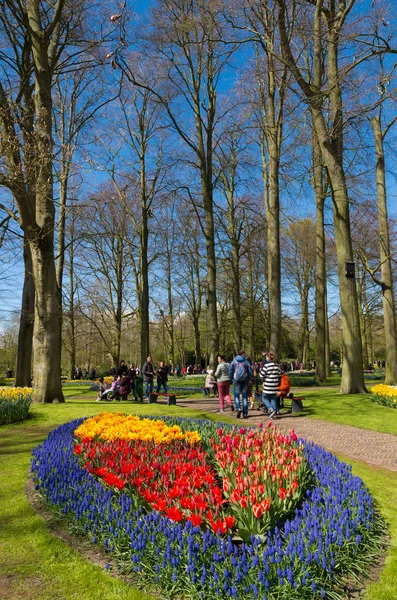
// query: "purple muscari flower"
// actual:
[[337, 506]]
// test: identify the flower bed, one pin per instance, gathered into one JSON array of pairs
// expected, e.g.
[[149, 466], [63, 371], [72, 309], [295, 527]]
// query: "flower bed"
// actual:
[[14, 404], [331, 529], [386, 395], [7, 381]]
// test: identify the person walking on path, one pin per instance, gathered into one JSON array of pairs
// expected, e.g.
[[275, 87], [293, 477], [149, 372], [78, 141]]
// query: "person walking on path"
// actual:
[[241, 374], [148, 376], [270, 374], [162, 377], [223, 380]]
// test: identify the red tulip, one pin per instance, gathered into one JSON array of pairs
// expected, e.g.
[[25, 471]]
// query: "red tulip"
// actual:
[[174, 514], [244, 502], [195, 520]]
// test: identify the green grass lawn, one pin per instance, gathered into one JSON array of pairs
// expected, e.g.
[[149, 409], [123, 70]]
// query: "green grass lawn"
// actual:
[[357, 410], [36, 565]]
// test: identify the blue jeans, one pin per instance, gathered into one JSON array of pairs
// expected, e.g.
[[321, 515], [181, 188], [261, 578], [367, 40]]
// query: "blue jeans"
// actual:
[[270, 401], [148, 388], [241, 387], [162, 384]]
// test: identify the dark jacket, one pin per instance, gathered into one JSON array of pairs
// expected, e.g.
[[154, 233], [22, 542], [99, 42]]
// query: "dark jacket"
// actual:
[[148, 371], [162, 375], [125, 386], [122, 370]]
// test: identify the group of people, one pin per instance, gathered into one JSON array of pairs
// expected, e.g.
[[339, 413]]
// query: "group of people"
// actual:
[[244, 374], [80, 373], [241, 372], [149, 373], [123, 383]]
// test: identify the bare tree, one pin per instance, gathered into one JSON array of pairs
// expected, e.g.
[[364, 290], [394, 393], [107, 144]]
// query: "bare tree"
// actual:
[[380, 131], [329, 132], [105, 269], [34, 33], [184, 40], [299, 267]]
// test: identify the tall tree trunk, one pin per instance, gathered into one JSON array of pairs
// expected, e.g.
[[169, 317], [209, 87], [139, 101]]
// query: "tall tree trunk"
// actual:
[[303, 338], [361, 291], [321, 283], [144, 264], [72, 326], [352, 372], [388, 302], [250, 305], [273, 240], [118, 315], [170, 325], [23, 374], [47, 325], [331, 145], [235, 263], [63, 192], [327, 342], [209, 233]]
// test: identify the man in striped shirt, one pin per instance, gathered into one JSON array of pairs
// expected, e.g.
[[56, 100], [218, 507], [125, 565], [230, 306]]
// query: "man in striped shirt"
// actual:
[[270, 374]]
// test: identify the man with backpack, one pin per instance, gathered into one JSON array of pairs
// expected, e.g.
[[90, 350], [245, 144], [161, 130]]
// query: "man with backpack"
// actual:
[[240, 374]]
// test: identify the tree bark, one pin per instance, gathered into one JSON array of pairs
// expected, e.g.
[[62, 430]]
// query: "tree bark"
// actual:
[[250, 305], [143, 259], [235, 271], [72, 326], [321, 283], [332, 152], [170, 325], [47, 326], [388, 302], [304, 336], [23, 374]]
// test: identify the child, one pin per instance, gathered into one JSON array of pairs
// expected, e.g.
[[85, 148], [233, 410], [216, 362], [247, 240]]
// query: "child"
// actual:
[[113, 391], [210, 384], [103, 387], [283, 389]]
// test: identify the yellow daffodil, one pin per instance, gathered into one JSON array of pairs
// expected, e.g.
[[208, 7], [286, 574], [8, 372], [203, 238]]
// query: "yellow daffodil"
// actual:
[[117, 426]]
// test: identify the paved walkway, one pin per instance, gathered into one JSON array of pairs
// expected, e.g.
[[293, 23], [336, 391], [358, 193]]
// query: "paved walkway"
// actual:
[[375, 448]]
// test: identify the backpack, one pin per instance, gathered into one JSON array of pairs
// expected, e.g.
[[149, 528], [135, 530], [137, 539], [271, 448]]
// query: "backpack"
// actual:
[[241, 372]]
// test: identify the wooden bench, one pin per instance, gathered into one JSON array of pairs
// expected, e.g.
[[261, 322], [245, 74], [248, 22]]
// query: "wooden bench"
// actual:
[[296, 402], [171, 398]]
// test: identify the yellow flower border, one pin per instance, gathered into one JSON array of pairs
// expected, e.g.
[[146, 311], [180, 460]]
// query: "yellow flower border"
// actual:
[[118, 426], [14, 393]]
